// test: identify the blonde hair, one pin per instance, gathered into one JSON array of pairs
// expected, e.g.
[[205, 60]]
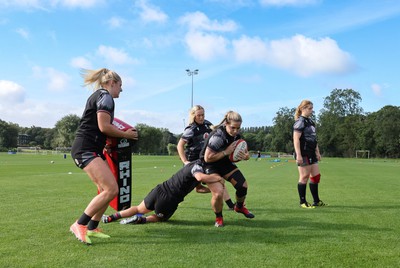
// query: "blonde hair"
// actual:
[[98, 78], [303, 104], [192, 113], [229, 117]]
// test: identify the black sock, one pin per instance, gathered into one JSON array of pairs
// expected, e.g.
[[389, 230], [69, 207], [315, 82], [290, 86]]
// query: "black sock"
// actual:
[[84, 219], [218, 214], [239, 204], [93, 224], [302, 192], [314, 191], [142, 220], [115, 216], [229, 203]]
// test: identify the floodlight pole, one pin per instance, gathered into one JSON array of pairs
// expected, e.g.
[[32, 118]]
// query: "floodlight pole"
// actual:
[[192, 73]]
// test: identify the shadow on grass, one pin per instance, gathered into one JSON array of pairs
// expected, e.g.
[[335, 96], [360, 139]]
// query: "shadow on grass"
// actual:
[[282, 231]]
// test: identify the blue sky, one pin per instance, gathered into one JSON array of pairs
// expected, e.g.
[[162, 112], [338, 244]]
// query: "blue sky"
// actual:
[[253, 56]]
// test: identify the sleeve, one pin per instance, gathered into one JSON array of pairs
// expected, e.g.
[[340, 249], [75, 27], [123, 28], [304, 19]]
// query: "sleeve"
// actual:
[[105, 103], [196, 169], [216, 143], [299, 125], [187, 134]]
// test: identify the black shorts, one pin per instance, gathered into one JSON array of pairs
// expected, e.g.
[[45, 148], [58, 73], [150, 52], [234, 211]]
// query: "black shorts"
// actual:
[[81, 160], [163, 205], [84, 151], [221, 167], [308, 160]]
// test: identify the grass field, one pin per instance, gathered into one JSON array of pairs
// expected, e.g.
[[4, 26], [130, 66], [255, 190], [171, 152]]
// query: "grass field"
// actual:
[[359, 228]]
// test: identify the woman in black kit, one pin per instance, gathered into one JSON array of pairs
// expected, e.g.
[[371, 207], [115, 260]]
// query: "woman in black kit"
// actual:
[[165, 197], [194, 137], [307, 154], [215, 155], [87, 149]]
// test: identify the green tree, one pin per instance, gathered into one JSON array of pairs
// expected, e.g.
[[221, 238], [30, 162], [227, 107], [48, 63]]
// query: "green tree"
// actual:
[[149, 139], [65, 129], [282, 130], [8, 135], [387, 131], [172, 149], [334, 131]]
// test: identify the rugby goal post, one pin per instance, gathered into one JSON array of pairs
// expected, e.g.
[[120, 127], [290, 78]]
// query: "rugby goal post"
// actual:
[[362, 154]]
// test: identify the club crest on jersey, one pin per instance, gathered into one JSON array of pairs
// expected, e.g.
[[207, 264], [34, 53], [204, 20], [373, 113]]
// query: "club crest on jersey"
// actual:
[[205, 135]]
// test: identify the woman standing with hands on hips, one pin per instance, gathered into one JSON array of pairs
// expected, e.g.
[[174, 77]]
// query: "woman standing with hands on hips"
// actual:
[[193, 137], [307, 154], [87, 149]]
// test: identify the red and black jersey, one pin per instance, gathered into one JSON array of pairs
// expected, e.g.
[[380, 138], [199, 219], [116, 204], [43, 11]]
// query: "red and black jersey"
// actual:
[[195, 136], [88, 130], [308, 138]]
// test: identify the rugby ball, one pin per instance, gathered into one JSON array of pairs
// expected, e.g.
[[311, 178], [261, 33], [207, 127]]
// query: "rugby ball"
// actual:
[[241, 146]]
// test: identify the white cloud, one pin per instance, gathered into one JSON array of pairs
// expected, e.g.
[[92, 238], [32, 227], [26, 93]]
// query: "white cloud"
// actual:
[[204, 46], [114, 55], [81, 63], [40, 4], [115, 22], [150, 13], [11, 93], [198, 21], [23, 33], [299, 54], [56, 80], [287, 2], [201, 40], [233, 3], [248, 49], [80, 3], [377, 89], [37, 112]]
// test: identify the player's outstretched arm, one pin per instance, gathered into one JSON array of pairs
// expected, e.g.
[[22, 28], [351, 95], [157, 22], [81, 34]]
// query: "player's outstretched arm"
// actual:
[[209, 178]]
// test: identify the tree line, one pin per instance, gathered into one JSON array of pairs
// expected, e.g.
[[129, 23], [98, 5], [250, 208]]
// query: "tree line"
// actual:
[[342, 129]]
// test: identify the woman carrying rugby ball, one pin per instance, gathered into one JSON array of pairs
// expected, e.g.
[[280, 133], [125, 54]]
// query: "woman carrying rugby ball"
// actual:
[[215, 155]]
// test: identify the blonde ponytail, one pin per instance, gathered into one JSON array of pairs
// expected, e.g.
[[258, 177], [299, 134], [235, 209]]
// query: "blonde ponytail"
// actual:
[[303, 104], [98, 78]]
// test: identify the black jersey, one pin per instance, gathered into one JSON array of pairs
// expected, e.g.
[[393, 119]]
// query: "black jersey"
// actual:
[[88, 130], [182, 182], [308, 139], [218, 140], [195, 136]]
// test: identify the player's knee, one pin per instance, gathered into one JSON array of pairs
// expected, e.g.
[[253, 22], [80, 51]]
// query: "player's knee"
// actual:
[[218, 192], [241, 192], [111, 191], [241, 185], [315, 179]]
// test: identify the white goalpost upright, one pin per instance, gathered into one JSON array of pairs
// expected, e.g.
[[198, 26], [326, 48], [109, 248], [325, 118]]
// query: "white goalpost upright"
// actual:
[[362, 154]]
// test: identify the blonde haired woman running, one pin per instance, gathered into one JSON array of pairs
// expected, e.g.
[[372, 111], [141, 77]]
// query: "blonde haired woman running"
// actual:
[[87, 149]]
